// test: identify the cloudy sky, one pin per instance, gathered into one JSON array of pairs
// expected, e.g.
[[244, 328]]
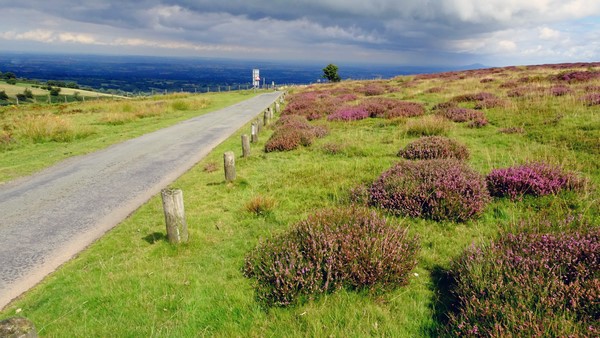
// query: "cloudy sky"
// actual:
[[403, 32]]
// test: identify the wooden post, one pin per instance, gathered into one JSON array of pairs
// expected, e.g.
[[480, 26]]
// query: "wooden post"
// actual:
[[245, 146], [254, 133], [258, 126], [267, 116], [174, 215], [229, 164], [277, 107]]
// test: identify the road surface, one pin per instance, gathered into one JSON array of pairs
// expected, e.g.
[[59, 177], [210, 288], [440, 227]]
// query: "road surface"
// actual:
[[47, 218]]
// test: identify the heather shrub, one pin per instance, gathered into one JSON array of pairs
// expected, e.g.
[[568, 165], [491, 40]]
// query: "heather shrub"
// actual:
[[560, 91], [292, 131], [440, 189], [490, 103], [528, 285], [405, 109], [432, 147], [349, 113], [536, 178], [352, 248], [474, 97], [591, 99], [372, 89], [478, 122], [576, 76], [458, 114], [427, 126]]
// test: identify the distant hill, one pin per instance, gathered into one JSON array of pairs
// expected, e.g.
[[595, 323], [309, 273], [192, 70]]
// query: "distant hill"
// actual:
[[146, 74]]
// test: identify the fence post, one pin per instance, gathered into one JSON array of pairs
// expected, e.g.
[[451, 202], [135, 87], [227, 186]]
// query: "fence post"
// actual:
[[174, 215], [245, 146], [267, 117], [229, 164]]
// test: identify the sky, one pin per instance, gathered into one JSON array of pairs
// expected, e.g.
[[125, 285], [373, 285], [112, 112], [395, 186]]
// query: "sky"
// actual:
[[397, 32]]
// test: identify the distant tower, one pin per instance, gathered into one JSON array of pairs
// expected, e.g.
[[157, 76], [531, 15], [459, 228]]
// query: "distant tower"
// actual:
[[255, 78]]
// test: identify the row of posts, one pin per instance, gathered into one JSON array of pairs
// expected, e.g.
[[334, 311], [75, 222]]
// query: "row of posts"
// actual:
[[173, 198]]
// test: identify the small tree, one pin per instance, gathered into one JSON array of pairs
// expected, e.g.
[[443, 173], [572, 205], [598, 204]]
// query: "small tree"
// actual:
[[3, 95], [331, 73], [54, 91], [28, 93]]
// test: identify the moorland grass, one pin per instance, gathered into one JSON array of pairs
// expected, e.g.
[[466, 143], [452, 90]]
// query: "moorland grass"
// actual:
[[133, 282]]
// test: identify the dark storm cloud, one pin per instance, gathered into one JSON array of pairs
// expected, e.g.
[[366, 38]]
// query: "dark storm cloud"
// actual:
[[378, 28]]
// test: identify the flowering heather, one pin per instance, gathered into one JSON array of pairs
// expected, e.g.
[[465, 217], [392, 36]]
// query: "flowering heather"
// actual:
[[577, 76], [441, 189], [391, 108], [405, 109], [560, 91], [591, 99], [490, 103], [536, 178], [474, 97], [349, 113], [292, 131], [353, 248], [445, 105], [314, 105], [528, 285], [509, 84], [461, 114], [432, 147], [478, 122], [372, 89]]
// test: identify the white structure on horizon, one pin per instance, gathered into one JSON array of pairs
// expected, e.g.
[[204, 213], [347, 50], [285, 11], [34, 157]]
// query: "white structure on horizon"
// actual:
[[255, 78]]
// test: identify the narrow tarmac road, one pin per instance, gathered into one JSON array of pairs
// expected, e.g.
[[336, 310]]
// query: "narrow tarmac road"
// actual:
[[47, 218]]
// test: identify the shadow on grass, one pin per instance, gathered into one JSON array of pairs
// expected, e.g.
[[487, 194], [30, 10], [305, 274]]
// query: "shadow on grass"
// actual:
[[443, 302], [155, 237]]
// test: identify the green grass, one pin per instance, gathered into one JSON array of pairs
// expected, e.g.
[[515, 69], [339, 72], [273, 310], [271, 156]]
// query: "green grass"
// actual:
[[42, 135], [133, 283]]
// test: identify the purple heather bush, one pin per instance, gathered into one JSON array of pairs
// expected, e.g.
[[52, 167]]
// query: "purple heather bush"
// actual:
[[474, 97], [440, 189], [384, 107], [372, 89], [560, 90], [490, 103], [458, 114], [353, 248], [592, 99], [576, 76], [432, 147], [528, 285], [292, 131], [536, 178], [349, 113]]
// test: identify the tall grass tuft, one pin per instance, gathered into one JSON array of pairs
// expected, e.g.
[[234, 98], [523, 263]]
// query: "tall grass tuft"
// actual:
[[44, 128], [260, 205], [428, 125]]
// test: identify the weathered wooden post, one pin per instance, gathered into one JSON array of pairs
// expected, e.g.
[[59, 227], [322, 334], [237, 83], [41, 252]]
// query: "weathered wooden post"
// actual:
[[267, 116], [245, 146], [229, 164], [17, 327], [254, 132], [277, 107], [258, 126], [174, 215]]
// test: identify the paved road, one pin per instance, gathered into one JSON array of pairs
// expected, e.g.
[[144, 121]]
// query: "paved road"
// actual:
[[88, 195]]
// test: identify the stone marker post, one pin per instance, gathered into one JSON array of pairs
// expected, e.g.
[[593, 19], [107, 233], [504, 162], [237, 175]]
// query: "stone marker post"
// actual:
[[174, 215], [245, 146], [254, 132], [229, 163]]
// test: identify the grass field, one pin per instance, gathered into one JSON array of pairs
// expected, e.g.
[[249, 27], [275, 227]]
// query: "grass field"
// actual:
[[134, 283]]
